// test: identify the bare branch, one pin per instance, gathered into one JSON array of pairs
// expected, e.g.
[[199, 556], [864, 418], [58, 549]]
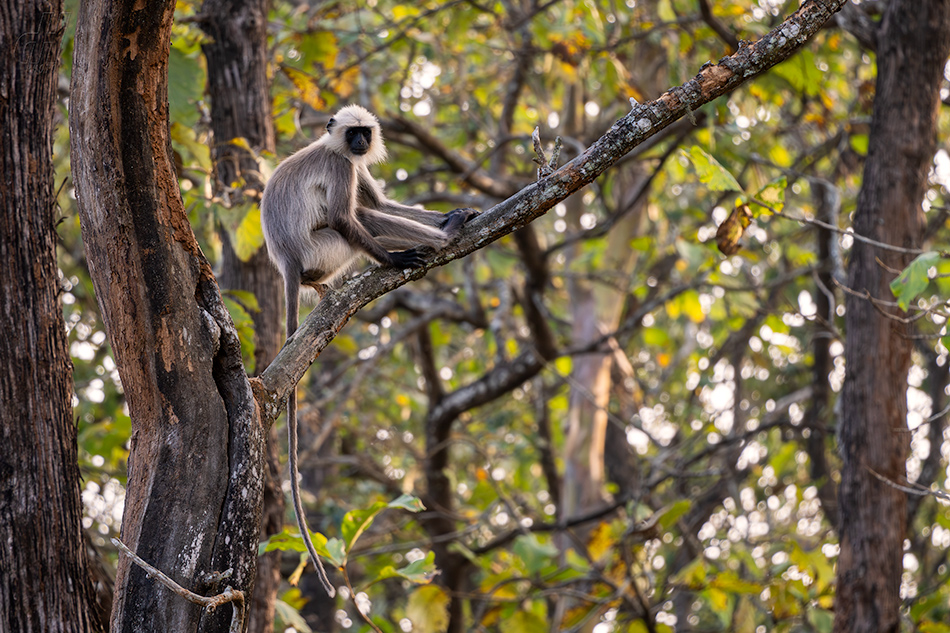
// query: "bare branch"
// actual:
[[643, 121], [210, 603]]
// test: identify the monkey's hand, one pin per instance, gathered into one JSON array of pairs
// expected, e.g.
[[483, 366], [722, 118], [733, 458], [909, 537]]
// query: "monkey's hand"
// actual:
[[455, 218], [406, 259]]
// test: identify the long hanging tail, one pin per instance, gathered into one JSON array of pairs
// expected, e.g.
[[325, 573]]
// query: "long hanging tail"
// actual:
[[292, 292]]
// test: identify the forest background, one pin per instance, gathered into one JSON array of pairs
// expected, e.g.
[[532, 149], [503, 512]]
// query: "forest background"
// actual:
[[630, 414]]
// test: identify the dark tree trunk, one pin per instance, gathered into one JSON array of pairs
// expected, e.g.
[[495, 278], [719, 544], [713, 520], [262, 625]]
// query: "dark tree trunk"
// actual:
[[913, 45], [45, 583], [195, 488], [240, 108], [827, 204]]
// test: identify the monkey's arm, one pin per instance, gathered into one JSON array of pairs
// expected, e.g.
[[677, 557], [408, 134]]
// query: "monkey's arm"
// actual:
[[342, 217], [371, 195]]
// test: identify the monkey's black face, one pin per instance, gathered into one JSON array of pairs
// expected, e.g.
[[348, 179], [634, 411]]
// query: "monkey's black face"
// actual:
[[359, 139]]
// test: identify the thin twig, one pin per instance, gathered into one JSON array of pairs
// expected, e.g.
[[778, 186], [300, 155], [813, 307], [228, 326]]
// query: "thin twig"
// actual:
[[346, 579], [211, 603], [831, 227]]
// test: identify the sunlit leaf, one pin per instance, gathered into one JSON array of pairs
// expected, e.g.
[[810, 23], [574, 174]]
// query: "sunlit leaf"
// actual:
[[772, 194], [186, 85], [711, 173], [672, 514], [534, 554], [428, 609], [407, 502], [318, 47], [914, 279], [290, 617], [420, 571], [249, 236], [523, 622], [307, 89]]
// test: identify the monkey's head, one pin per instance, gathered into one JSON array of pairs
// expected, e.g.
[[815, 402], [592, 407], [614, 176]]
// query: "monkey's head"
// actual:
[[354, 132]]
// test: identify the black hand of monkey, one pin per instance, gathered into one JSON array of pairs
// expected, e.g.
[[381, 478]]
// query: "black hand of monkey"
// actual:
[[457, 217], [407, 259]]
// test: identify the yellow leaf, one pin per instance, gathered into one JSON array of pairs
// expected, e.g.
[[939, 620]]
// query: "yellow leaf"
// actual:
[[345, 84], [249, 235], [428, 609], [307, 88]]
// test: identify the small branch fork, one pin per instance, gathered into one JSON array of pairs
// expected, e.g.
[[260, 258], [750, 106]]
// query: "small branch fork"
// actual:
[[546, 167], [212, 603]]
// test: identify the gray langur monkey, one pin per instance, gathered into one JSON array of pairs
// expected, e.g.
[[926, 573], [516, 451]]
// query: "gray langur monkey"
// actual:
[[321, 211]]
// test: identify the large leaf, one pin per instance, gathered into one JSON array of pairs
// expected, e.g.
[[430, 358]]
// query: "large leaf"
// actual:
[[533, 553], [420, 572], [355, 522], [914, 279], [711, 173], [428, 609]]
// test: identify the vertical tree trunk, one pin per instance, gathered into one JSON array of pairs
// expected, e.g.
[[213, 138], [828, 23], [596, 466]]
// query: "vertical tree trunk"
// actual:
[[240, 108], [597, 308], [913, 45], [45, 584], [197, 449]]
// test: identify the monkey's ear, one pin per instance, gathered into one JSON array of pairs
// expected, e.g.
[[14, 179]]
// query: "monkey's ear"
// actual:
[[331, 123]]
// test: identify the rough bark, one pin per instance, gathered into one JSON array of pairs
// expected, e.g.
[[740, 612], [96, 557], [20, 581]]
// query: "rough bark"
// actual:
[[912, 48], [197, 448], [236, 52], [45, 584]]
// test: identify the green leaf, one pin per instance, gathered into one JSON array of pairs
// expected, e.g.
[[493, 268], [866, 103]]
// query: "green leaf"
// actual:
[[407, 502], [336, 550], [428, 609], [290, 617], [185, 141], [772, 194], [693, 575], [655, 336], [534, 554], [523, 622], [249, 236], [859, 143], [801, 72], [186, 84], [730, 582], [246, 298], [914, 279], [318, 48], [355, 522], [711, 173], [669, 518], [287, 541], [420, 571]]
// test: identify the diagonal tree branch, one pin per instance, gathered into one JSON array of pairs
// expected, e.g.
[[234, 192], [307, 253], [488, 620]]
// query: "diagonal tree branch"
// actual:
[[643, 121]]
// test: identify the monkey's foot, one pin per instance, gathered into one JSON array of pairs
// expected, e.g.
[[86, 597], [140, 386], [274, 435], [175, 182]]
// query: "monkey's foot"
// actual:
[[407, 259], [455, 218], [311, 279]]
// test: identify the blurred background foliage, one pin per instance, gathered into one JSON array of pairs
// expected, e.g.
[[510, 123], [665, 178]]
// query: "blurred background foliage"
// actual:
[[667, 462]]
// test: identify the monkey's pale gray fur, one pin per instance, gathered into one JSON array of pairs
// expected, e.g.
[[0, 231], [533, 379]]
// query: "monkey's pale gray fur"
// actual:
[[321, 210], [318, 199]]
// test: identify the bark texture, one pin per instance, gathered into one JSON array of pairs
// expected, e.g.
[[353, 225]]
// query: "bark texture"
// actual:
[[197, 448], [238, 91], [912, 48], [45, 584]]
